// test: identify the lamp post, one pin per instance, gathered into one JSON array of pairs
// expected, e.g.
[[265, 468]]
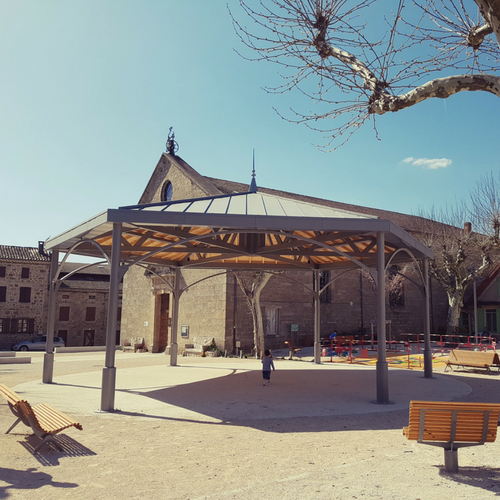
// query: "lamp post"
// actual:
[[474, 288], [473, 271]]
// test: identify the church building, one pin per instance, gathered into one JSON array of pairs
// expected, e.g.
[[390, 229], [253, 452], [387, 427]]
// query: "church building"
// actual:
[[214, 306]]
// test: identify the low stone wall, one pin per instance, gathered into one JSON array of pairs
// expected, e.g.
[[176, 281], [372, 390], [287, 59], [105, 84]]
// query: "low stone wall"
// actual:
[[93, 348], [14, 361]]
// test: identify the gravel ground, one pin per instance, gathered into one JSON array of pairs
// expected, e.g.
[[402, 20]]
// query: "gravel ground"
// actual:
[[208, 429]]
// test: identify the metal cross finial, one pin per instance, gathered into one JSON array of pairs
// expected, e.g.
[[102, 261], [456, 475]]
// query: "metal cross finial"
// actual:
[[172, 146], [253, 184]]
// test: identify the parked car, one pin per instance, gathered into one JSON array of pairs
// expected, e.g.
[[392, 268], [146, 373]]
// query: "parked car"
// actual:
[[37, 344]]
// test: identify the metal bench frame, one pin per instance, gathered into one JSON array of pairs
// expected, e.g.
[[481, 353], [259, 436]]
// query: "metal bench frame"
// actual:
[[451, 447]]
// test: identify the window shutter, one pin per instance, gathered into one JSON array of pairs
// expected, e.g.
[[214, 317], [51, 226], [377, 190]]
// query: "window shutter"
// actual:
[[13, 325], [24, 294], [31, 325]]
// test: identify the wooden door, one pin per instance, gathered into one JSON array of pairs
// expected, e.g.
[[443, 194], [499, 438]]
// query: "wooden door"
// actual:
[[88, 337]]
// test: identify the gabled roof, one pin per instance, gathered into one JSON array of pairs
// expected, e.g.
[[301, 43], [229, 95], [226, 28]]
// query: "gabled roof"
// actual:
[[27, 254], [168, 162], [482, 287]]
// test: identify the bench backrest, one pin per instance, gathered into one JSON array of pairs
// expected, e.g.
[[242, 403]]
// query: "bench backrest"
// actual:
[[438, 419], [12, 397], [473, 358], [47, 419]]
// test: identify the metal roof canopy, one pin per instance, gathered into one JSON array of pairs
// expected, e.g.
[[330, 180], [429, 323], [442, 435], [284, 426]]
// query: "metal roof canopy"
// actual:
[[237, 231], [247, 230]]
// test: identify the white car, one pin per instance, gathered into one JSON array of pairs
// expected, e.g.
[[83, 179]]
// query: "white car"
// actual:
[[37, 344]]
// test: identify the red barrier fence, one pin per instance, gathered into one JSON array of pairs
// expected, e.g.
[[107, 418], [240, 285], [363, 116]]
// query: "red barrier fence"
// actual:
[[345, 345]]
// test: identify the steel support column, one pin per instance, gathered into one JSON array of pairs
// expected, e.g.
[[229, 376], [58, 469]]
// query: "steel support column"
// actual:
[[427, 324], [317, 319], [175, 317], [48, 357], [109, 370], [382, 366]]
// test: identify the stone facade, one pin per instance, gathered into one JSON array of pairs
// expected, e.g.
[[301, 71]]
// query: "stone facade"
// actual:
[[216, 307], [203, 307], [24, 279], [81, 302], [82, 306]]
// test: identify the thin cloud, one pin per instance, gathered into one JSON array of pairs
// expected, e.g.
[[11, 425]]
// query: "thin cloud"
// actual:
[[429, 163]]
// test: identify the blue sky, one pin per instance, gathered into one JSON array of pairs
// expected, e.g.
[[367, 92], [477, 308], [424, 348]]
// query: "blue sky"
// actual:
[[89, 90]]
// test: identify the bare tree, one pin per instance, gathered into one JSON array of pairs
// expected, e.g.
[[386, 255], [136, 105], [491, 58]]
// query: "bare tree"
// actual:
[[460, 255], [485, 201], [252, 284], [353, 63]]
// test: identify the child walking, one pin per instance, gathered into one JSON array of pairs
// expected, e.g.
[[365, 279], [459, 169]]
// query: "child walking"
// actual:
[[267, 364]]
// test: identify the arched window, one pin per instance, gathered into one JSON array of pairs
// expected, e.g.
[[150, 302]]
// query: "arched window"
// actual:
[[167, 192]]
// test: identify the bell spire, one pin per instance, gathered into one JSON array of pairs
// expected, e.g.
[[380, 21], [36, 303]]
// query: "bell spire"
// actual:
[[253, 184]]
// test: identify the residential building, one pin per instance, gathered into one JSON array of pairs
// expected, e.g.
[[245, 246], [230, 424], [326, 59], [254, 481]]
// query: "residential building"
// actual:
[[487, 303], [81, 301], [24, 280]]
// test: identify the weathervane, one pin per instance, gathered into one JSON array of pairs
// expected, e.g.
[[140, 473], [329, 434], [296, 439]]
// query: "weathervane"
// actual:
[[172, 146], [253, 184]]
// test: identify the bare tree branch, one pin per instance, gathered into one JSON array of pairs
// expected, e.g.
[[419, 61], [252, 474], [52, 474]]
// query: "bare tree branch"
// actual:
[[460, 254], [350, 63], [485, 200]]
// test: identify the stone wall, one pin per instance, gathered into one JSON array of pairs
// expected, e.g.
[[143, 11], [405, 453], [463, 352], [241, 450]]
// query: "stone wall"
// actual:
[[78, 301], [186, 182], [218, 308], [34, 311], [350, 309], [138, 306], [203, 308]]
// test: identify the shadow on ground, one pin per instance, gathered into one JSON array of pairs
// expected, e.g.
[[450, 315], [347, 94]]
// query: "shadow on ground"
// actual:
[[486, 478], [236, 397], [28, 480]]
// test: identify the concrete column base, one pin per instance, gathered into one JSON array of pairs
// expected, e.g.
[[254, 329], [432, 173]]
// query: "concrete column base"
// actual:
[[451, 460], [173, 354], [108, 389], [48, 367], [317, 352], [427, 364], [383, 383]]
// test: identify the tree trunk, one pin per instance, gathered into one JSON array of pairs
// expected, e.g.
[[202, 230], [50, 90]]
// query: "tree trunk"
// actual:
[[455, 302], [252, 293]]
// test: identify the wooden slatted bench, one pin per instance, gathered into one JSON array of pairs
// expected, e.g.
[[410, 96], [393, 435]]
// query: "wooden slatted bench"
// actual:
[[473, 359], [44, 420], [292, 347], [13, 400], [451, 426]]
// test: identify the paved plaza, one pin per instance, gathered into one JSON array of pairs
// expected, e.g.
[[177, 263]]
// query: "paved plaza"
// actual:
[[208, 428]]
